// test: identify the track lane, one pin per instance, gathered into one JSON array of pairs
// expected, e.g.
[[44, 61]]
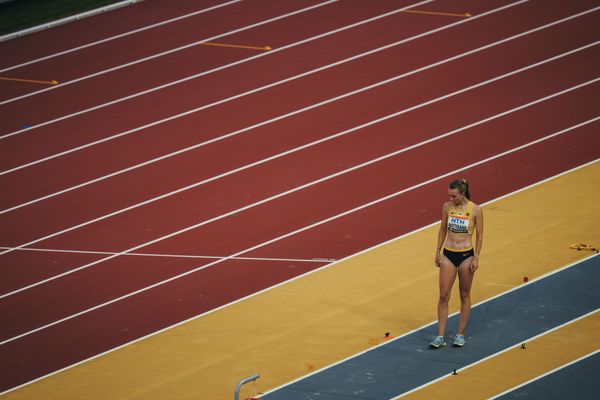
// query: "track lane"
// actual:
[[562, 74], [42, 177], [85, 31], [87, 62], [551, 350], [121, 275], [103, 119], [216, 85], [24, 267], [142, 73], [492, 180], [117, 324]]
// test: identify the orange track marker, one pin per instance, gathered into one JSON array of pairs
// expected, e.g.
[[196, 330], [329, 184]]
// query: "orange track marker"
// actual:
[[238, 46], [463, 15], [5, 78]]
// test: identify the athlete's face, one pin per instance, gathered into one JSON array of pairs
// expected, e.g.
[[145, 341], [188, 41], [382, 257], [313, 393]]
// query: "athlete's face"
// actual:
[[455, 196]]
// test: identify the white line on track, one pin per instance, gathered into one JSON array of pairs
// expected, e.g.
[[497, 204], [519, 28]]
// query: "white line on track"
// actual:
[[199, 42], [164, 53], [262, 88], [308, 227], [253, 58], [302, 276], [315, 259], [593, 353], [119, 36], [176, 116], [339, 134], [516, 345], [263, 123]]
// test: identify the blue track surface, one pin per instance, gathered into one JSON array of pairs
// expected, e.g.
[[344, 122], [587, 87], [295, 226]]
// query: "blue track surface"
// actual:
[[407, 362], [578, 381]]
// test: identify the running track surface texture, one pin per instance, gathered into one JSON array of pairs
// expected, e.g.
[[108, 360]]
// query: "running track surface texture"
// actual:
[[176, 177]]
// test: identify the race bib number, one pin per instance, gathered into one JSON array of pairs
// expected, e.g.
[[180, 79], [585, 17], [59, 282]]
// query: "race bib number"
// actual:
[[458, 224]]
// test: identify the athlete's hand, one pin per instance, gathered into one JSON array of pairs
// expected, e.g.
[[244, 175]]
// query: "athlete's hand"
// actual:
[[474, 264], [438, 259]]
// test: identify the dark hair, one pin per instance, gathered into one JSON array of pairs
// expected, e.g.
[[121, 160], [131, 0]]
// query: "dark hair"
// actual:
[[463, 187]]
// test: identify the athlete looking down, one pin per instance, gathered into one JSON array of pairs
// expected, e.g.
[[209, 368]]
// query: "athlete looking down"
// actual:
[[460, 218]]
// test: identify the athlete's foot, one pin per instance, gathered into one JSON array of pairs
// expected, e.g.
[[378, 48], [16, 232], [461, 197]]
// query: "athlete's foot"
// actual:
[[437, 342], [458, 341]]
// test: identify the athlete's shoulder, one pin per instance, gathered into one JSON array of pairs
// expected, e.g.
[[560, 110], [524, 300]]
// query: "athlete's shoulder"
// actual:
[[476, 208]]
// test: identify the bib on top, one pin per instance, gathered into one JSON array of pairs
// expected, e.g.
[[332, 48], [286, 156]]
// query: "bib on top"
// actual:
[[460, 221]]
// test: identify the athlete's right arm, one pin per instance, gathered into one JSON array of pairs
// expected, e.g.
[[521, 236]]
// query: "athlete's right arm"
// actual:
[[441, 235]]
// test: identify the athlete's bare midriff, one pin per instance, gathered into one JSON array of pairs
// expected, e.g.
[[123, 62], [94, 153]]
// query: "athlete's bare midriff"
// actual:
[[458, 241]]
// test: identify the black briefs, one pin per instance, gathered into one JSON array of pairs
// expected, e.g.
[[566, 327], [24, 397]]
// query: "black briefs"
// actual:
[[457, 257]]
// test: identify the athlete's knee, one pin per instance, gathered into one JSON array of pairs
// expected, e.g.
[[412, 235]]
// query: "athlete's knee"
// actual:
[[465, 295], [444, 297]]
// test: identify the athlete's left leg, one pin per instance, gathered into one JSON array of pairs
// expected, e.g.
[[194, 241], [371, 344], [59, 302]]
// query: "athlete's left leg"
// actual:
[[465, 280]]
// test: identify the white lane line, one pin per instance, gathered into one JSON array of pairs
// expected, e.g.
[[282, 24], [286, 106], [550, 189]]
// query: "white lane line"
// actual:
[[253, 91], [250, 59], [317, 270], [119, 36], [176, 116], [266, 122], [312, 260], [308, 227], [197, 184], [593, 353], [256, 90], [199, 42], [516, 345], [167, 52], [315, 143]]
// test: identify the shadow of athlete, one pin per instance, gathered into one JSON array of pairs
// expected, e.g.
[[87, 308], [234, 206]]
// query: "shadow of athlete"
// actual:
[[460, 218]]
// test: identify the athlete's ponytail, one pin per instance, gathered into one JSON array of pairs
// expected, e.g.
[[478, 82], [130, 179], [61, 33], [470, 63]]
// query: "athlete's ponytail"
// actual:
[[463, 187]]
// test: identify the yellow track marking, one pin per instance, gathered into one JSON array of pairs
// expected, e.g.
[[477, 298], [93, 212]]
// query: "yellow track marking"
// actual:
[[237, 46], [6, 78], [445, 14]]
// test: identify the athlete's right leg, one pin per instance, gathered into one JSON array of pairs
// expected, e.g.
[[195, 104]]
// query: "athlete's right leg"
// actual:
[[447, 277]]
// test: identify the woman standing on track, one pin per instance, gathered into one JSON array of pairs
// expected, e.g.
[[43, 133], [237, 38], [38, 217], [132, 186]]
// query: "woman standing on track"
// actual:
[[460, 217]]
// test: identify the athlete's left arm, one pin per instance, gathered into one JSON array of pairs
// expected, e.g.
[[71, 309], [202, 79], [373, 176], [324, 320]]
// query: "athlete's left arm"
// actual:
[[479, 238]]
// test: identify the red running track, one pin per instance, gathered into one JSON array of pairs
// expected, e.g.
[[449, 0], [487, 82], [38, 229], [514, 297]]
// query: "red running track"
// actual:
[[144, 44], [214, 87], [131, 318], [26, 147], [67, 99], [76, 292], [219, 197], [49, 177], [137, 227], [79, 33]]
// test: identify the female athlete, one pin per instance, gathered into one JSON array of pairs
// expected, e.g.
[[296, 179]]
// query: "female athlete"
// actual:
[[460, 217]]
